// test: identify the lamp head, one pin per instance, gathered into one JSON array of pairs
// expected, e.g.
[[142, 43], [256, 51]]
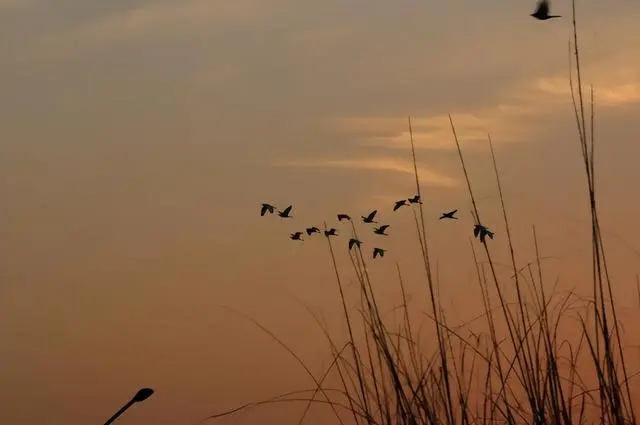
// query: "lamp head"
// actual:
[[142, 395]]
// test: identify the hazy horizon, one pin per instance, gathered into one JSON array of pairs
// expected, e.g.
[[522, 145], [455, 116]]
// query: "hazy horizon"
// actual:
[[140, 139]]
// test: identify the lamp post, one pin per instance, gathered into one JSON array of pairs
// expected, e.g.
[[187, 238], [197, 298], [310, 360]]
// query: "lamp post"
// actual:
[[141, 395]]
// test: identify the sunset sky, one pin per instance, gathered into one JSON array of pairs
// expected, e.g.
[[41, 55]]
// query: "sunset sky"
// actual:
[[140, 137]]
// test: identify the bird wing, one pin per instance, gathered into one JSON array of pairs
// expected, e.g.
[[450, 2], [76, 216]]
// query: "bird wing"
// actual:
[[263, 209], [373, 214], [453, 212], [543, 7], [287, 210], [476, 231], [351, 242], [384, 227]]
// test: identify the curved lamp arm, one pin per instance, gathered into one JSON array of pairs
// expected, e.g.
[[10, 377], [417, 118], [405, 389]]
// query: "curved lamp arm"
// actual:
[[141, 395]]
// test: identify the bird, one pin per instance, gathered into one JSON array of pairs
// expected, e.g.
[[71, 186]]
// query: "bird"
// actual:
[[286, 212], [378, 251], [354, 241], [312, 230], [482, 232], [296, 236], [450, 215], [399, 204], [330, 232], [542, 11], [369, 218], [415, 200], [343, 217], [380, 230], [486, 232], [266, 208]]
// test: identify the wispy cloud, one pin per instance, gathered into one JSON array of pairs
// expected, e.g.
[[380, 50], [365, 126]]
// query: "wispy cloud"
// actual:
[[14, 4], [157, 19], [515, 118], [387, 164]]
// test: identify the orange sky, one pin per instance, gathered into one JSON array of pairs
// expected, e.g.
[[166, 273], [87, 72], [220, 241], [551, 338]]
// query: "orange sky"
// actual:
[[139, 140]]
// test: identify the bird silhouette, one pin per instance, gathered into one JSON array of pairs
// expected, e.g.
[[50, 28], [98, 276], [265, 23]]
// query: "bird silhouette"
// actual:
[[542, 11], [297, 236], [400, 204], [312, 230], [480, 231], [330, 232], [343, 217], [266, 208], [380, 230], [415, 200], [450, 215], [378, 252], [286, 212], [354, 241], [369, 218]]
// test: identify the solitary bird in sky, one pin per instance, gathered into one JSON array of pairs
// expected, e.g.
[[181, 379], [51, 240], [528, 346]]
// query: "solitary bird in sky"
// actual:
[[286, 212], [312, 230], [399, 204], [415, 200], [380, 230], [369, 218], [450, 215], [297, 236], [354, 241], [266, 208], [482, 232], [378, 251], [343, 217], [542, 11], [330, 232]]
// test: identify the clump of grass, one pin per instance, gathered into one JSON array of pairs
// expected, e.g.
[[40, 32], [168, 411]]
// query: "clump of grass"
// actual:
[[529, 375]]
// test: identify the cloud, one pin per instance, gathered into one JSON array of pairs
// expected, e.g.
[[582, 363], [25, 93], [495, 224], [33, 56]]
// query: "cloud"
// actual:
[[158, 19], [513, 118], [13, 4], [318, 37], [388, 164]]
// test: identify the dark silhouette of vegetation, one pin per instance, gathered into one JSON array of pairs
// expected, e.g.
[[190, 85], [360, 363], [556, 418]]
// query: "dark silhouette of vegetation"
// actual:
[[519, 369]]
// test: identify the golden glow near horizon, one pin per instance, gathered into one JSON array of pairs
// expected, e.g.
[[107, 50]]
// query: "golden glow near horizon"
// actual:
[[138, 141]]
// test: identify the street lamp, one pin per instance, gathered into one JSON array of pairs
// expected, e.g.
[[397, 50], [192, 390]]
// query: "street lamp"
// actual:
[[141, 395]]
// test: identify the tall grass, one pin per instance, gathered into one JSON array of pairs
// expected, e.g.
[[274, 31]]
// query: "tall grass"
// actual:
[[525, 374]]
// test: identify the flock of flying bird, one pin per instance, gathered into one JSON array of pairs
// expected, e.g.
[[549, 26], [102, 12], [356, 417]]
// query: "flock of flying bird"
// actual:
[[479, 230]]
